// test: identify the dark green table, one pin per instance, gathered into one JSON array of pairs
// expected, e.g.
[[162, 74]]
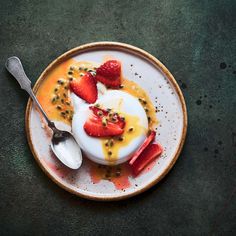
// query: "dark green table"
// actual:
[[196, 40]]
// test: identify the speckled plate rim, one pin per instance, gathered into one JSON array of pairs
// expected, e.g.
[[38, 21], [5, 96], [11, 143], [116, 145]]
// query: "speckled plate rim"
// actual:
[[109, 46]]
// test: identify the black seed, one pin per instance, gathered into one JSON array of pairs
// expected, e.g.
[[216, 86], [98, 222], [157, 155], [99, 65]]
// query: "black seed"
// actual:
[[59, 107], [62, 100], [110, 153], [70, 72], [67, 112], [131, 129], [56, 89]]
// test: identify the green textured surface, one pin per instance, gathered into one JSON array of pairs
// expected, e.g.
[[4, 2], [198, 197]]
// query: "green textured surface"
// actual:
[[192, 38]]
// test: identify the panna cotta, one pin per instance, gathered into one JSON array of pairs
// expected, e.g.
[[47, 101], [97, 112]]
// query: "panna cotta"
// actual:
[[111, 150]]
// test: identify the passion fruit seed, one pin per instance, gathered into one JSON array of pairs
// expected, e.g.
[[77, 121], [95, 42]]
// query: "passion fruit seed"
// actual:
[[81, 74], [106, 143], [70, 72], [121, 86], [63, 113], [104, 121], [131, 129], [68, 103], [54, 100], [71, 78], [64, 95], [121, 138], [85, 69], [66, 87], [62, 101], [72, 67], [67, 112], [100, 113], [56, 90], [111, 143], [146, 109], [59, 107], [109, 153], [149, 119], [122, 118], [97, 105], [61, 82]]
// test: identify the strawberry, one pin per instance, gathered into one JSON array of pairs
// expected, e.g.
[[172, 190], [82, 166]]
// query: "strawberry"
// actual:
[[110, 69], [108, 82], [152, 151], [85, 87], [109, 73], [100, 124], [147, 141], [119, 120]]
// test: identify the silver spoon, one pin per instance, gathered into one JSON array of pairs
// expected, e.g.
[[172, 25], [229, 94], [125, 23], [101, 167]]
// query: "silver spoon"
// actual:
[[63, 143]]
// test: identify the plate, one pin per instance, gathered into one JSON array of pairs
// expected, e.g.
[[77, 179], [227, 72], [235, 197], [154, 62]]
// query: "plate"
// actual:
[[158, 82]]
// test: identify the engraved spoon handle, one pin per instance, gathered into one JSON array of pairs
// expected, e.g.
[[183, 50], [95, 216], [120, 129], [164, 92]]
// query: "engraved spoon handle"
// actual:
[[14, 66]]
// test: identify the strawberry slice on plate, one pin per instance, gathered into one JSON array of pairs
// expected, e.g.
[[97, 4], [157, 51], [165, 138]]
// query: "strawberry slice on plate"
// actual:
[[85, 87], [100, 124], [109, 73], [147, 141], [151, 152]]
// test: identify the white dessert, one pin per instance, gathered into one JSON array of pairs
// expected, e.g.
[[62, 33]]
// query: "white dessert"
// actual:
[[121, 102]]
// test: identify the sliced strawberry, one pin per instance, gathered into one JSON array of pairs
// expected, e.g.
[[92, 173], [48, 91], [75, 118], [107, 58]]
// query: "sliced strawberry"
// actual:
[[151, 152], [94, 127], [110, 69], [114, 83], [102, 112], [85, 87], [147, 141]]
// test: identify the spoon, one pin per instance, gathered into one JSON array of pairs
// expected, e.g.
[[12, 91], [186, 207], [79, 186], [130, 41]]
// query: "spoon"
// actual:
[[63, 143]]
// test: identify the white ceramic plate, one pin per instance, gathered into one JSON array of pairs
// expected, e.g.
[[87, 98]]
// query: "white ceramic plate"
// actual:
[[166, 96]]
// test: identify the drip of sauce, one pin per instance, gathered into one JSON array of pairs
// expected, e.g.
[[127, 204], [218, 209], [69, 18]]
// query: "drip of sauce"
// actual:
[[131, 131], [134, 89]]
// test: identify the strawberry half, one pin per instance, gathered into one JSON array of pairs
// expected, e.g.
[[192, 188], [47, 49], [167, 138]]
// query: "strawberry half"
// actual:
[[110, 69], [100, 124], [151, 152], [147, 141], [85, 87], [109, 73], [109, 82]]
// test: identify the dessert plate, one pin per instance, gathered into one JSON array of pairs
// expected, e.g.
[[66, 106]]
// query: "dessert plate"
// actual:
[[99, 182]]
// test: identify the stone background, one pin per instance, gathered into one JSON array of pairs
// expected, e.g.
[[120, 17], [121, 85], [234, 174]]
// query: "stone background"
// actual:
[[196, 41]]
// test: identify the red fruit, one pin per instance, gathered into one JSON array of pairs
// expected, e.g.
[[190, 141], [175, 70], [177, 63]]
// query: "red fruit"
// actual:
[[109, 73], [119, 121], [148, 140], [110, 69], [95, 127], [114, 83], [147, 156], [85, 87]]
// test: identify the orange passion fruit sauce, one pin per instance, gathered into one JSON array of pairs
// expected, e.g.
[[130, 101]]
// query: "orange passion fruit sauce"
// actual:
[[54, 96]]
